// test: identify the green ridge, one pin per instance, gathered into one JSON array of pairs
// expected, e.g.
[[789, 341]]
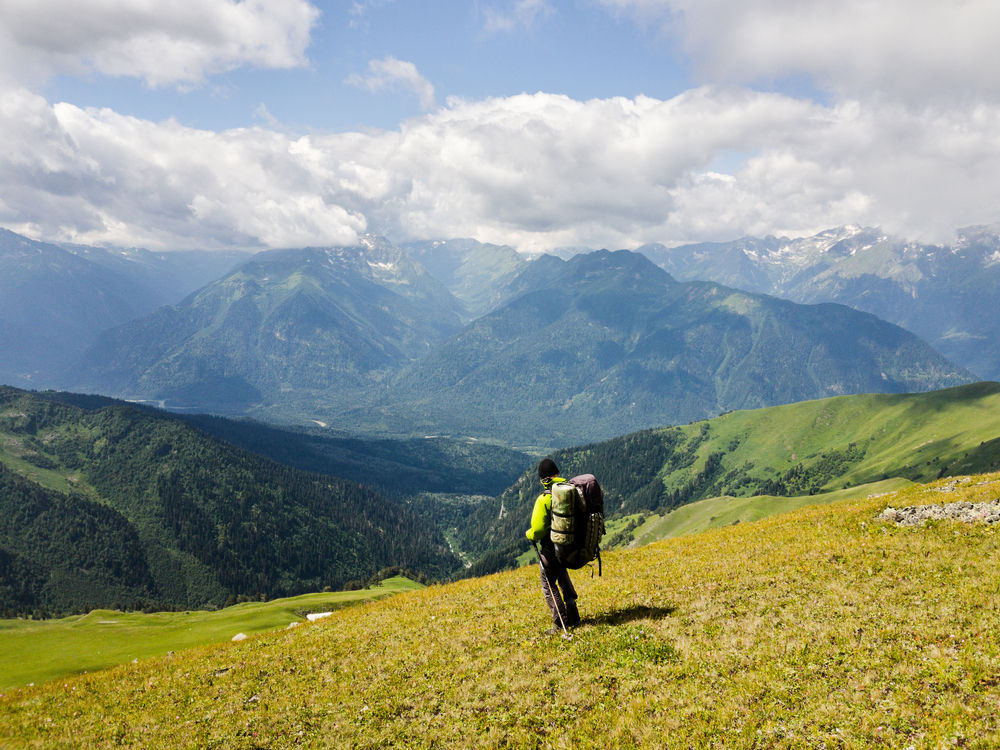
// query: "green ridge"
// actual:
[[801, 450]]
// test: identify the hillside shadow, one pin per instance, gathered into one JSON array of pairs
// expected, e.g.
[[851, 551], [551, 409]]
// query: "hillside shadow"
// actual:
[[629, 614]]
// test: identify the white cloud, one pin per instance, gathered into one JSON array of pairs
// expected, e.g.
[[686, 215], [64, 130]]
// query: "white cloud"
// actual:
[[178, 42], [390, 74], [536, 171], [916, 50], [911, 140], [360, 9], [94, 176], [522, 14]]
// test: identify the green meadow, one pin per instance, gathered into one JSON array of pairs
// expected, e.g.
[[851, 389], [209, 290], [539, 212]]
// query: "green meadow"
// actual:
[[716, 512], [35, 651], [821, 627], [746, 465], [838, 443]]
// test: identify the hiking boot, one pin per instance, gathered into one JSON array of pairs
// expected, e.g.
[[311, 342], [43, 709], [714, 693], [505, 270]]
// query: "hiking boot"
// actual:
[[572, 614], [554, 630]]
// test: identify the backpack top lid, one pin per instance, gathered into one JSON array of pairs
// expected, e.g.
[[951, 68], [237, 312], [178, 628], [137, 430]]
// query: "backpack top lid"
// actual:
[[593, 495]]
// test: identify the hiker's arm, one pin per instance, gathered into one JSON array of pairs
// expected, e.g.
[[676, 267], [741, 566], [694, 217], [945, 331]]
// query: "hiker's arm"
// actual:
[[540, 518]]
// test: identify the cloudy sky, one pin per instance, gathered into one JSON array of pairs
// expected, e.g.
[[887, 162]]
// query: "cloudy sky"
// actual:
[[535, 123]]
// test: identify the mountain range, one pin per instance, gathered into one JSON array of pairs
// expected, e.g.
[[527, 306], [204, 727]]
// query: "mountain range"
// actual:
[[458, 337], [55, 300], [946, 294], [607, 343], [599, 345]]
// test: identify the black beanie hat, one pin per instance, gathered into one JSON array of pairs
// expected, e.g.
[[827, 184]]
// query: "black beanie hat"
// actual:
[[547, 468]]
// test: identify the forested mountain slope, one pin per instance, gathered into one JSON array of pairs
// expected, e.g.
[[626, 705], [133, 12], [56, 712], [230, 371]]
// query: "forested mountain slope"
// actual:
[[282, 327], [397, 467], [118, 504]]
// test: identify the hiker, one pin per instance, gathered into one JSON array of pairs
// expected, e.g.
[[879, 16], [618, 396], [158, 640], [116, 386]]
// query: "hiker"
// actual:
[[556, 586]]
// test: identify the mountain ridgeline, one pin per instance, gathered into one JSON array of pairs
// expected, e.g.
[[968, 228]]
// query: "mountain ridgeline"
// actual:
[[946, 294], [107, 505], [455, 337]]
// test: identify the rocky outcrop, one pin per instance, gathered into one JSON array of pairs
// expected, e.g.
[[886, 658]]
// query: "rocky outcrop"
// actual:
[[916, 515]]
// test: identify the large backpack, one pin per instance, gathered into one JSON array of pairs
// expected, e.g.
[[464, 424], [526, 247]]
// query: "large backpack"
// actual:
[[577, 521]]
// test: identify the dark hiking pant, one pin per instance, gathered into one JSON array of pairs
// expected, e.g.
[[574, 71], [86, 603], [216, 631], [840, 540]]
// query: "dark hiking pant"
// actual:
[[558, 589]]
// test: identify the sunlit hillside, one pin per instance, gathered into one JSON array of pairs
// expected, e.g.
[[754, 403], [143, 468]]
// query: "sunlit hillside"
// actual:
[[823, 627]]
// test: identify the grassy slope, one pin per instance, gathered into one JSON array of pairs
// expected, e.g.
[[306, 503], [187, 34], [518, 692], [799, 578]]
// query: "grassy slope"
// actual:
[[13, 452], [913, 435], [716, 512], [821, 627], [33, 651]]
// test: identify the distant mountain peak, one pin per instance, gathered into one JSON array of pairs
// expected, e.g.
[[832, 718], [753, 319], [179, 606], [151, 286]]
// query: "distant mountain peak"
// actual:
[[376, 242], [613, 259], [945, 293], [607, 263], [288, 320]]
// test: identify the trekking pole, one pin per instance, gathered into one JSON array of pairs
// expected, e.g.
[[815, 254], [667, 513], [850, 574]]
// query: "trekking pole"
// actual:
[[548, 587]]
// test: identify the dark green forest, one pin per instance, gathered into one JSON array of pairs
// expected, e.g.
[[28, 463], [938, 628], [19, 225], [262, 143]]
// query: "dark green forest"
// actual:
[[62, 552], [397, 467], [160, 515]]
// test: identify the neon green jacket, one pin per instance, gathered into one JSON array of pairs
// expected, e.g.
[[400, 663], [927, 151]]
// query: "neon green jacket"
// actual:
[[541, 515]]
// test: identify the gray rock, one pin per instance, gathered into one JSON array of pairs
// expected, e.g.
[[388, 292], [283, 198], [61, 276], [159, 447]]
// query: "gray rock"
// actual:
[[967, 512]]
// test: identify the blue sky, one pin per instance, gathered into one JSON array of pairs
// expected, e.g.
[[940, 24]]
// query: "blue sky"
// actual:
[[535, 123], [461, 49]]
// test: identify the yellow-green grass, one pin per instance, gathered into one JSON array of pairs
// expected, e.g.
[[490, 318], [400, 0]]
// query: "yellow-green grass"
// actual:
[[822, 627], [716, 512], [35, 651], [911, 434]]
